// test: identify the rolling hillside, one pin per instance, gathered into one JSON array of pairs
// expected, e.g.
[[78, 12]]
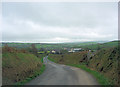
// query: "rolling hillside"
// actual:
[[85, 45]]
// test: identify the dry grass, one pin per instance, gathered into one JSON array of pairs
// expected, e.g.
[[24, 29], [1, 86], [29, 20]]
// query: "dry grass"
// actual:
[[17, 65]]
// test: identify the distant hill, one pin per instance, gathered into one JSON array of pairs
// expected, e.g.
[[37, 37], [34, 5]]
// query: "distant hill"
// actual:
[[101, 45], [86, 45]]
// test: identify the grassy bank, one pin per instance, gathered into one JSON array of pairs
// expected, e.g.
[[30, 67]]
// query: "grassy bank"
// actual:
[[52, 60], [42, 59], [106, 62], [19, 66], [36, 73], [100, 77]]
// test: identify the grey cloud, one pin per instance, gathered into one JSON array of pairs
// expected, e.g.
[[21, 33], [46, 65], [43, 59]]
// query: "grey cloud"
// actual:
[[67, 21]]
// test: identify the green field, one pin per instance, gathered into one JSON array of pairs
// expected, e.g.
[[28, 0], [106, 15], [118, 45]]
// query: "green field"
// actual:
[[84, 45], [101, 45]]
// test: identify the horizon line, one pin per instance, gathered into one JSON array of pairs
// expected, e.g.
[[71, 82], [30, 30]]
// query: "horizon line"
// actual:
[[54, 42]]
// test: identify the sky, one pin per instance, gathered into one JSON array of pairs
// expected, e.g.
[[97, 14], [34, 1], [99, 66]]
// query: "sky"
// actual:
[[53, 22]]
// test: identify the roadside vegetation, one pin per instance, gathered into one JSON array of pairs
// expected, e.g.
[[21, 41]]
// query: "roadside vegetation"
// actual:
[[20, 65], [35, 74], [103, 63]]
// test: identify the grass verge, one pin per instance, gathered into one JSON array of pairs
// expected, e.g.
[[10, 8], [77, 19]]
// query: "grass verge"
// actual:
[[42, 59], [52, 59], [36, 73], [102, 80]]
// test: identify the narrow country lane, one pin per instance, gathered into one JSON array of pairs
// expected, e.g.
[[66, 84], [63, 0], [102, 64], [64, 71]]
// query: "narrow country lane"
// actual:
[[58, 74]]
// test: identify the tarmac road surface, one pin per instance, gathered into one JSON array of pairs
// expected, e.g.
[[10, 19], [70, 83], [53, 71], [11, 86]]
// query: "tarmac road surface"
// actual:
[[58, 74]]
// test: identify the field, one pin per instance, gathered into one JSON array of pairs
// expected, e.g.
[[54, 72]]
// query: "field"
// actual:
[[84, 45], [101, 45], [49, 46]]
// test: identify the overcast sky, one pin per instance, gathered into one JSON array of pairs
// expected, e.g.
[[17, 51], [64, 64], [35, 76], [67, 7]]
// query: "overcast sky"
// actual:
[[60, 21]]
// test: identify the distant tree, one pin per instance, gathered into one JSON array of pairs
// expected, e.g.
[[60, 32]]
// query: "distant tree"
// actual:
[[41, 49], [98, 47], [6, 45], [62, 56], [23, 51], [34, 49], [6, 48], [57, 52], [45, 52], [63, 51]]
